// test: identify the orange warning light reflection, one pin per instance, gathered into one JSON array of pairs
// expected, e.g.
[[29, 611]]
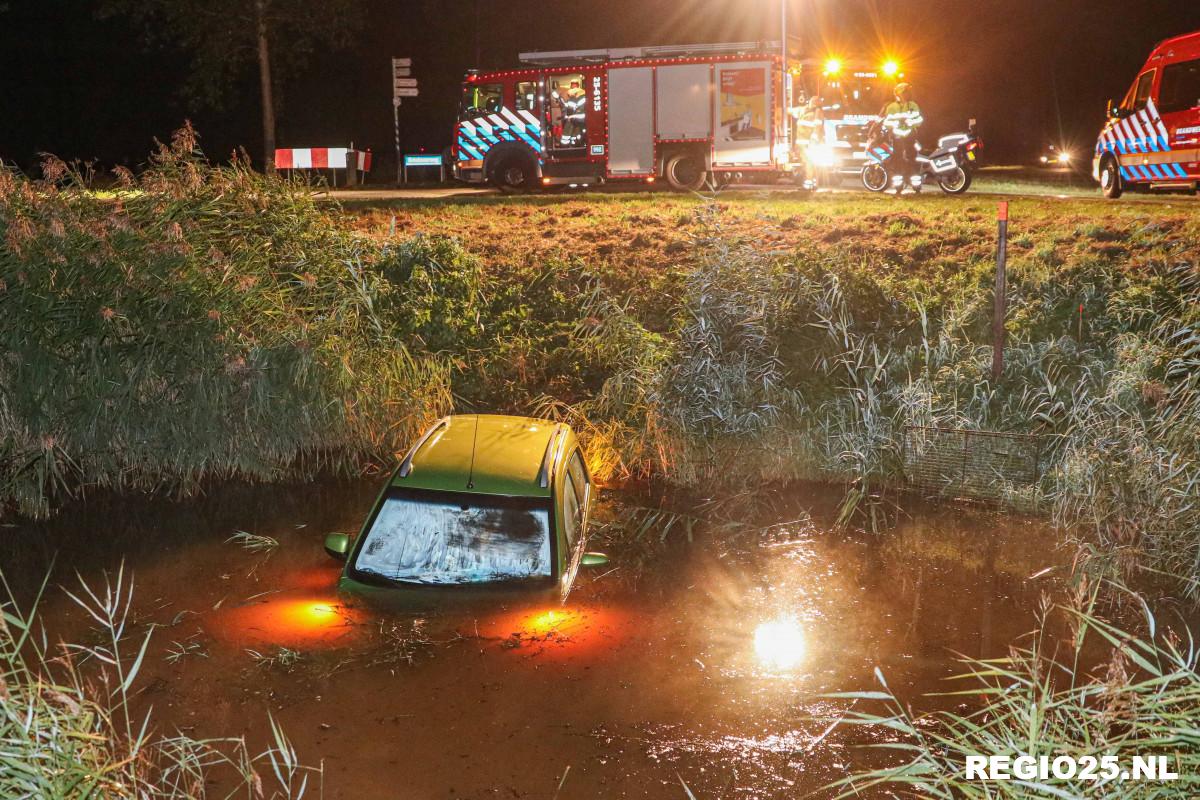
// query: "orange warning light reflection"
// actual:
[[289, 622]]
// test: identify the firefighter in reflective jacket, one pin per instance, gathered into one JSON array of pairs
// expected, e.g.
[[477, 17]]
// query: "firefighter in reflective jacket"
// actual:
[[574, 114], [902, 118]]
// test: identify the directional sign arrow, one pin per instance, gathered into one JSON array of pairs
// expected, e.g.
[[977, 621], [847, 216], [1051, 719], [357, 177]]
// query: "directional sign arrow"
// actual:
[[405, 92], [405, 82], [401, 62]]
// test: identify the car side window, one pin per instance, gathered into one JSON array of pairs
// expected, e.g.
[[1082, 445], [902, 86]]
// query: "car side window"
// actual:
[[1180, 87], [1141, 92], [579, 476], [572, 512]]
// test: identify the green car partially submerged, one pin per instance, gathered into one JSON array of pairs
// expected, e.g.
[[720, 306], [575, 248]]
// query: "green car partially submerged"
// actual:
[[480, 500]]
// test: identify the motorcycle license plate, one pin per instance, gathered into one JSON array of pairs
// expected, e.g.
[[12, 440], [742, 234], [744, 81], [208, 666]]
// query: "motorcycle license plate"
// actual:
[[971, 156]]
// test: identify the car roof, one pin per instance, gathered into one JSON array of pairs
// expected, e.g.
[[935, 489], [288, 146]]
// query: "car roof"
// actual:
[[481, 454]]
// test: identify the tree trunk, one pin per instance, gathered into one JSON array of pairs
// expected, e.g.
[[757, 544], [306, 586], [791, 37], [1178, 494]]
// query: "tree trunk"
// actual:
[[264, 81]]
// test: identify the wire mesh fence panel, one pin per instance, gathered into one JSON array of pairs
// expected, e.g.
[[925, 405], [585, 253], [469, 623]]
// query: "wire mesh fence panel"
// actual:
[[982, 465]]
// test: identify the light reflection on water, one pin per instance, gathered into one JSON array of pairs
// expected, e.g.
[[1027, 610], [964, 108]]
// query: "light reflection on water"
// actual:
[[712, 668], [779, 644]]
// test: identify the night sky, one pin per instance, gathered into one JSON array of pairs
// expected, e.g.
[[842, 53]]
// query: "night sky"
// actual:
[[87, 88]]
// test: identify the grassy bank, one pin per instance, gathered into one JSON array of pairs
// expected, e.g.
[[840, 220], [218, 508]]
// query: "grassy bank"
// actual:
[[211, 322], [206, 323], [760, 338]]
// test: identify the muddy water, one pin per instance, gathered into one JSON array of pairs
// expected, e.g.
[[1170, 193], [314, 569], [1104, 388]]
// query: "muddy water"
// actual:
[[710, 671]]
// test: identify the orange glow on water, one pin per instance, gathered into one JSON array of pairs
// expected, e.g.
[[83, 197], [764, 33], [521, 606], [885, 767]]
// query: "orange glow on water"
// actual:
[[289, 622], [563, 630], [558, 621]]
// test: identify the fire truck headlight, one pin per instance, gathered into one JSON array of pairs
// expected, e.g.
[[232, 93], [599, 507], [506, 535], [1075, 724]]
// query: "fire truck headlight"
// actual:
[[833, 66], [1064, 157], [891, 68]]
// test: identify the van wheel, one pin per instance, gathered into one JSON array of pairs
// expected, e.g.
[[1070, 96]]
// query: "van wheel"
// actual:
[[685, 172], [513, 174], [1110, 179]]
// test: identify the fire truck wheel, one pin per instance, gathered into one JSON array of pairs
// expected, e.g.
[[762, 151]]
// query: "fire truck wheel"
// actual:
[[685, 172], [1110, 179], [513, 174]]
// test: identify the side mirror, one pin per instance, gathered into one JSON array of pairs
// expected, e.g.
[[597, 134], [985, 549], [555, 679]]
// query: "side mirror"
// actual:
[[1114, 111], [593, 560], [337, 545]]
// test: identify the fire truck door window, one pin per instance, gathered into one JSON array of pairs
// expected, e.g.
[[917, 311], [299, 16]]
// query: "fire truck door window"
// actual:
[[481, 99], [527, 96], [1140, 93], [568, 110], [1180, 87]]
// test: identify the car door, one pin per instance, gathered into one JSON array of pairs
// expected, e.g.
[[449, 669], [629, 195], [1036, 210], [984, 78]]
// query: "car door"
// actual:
[[574, 505], [1179, 111]]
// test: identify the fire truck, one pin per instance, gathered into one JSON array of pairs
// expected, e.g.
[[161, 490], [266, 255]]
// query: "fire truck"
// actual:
[[1152, 138], [836, 102], [683, 114]]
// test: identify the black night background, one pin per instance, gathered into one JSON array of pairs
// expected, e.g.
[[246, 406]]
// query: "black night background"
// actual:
[[84, 86]]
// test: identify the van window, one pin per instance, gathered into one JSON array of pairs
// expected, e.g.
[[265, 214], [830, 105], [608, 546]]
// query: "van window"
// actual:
[[1141, 92], [1180, 87]]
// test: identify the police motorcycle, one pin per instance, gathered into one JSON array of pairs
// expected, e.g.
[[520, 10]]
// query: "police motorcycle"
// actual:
[[951, 165]]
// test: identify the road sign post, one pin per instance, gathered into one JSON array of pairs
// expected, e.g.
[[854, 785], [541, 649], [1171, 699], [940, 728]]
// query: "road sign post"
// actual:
[[403, 85]]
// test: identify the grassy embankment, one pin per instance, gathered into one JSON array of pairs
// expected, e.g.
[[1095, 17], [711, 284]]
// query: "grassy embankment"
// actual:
[[214, 323], [795, 338]]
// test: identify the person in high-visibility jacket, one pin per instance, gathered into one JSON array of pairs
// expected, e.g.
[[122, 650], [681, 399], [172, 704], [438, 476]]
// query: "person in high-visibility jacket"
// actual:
[[902, 119], [574, 114]]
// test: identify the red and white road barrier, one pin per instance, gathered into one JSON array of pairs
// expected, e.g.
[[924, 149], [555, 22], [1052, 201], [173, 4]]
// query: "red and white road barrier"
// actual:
[[322, 158]]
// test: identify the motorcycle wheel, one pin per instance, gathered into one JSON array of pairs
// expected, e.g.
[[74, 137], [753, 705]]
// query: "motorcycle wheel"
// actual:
[[875, 178], [956, 181]]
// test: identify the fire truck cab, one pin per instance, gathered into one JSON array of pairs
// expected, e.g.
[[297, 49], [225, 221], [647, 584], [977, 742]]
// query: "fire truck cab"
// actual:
[[835, 102], [1152, 138], [686, 114]]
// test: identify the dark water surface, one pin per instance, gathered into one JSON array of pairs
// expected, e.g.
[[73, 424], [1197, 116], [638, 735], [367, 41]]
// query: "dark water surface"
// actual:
[[709, 670]]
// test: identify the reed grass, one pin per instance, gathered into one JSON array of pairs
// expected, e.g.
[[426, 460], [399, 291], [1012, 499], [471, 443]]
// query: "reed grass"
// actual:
[[68, 728], [1040, 701], [777, 366], [207, 323]]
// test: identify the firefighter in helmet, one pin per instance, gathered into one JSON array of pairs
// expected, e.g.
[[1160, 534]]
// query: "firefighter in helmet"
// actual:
[[574, 105], [810, 120], [902, 119]]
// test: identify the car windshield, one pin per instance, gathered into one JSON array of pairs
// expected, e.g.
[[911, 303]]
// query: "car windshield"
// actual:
[[443, 538], [860, 94]]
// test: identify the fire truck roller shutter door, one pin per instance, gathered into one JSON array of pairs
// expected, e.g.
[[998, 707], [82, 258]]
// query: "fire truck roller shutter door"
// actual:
[[684, 102], [631, 121]]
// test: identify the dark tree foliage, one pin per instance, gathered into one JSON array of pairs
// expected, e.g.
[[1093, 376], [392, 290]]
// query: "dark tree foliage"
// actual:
[[226, 38]]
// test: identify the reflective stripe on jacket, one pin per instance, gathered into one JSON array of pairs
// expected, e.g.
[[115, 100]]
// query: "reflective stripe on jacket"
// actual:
[[902, 118]]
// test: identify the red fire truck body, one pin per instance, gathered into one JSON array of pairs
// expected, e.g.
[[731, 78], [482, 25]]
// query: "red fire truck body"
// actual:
[[684, 114]]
